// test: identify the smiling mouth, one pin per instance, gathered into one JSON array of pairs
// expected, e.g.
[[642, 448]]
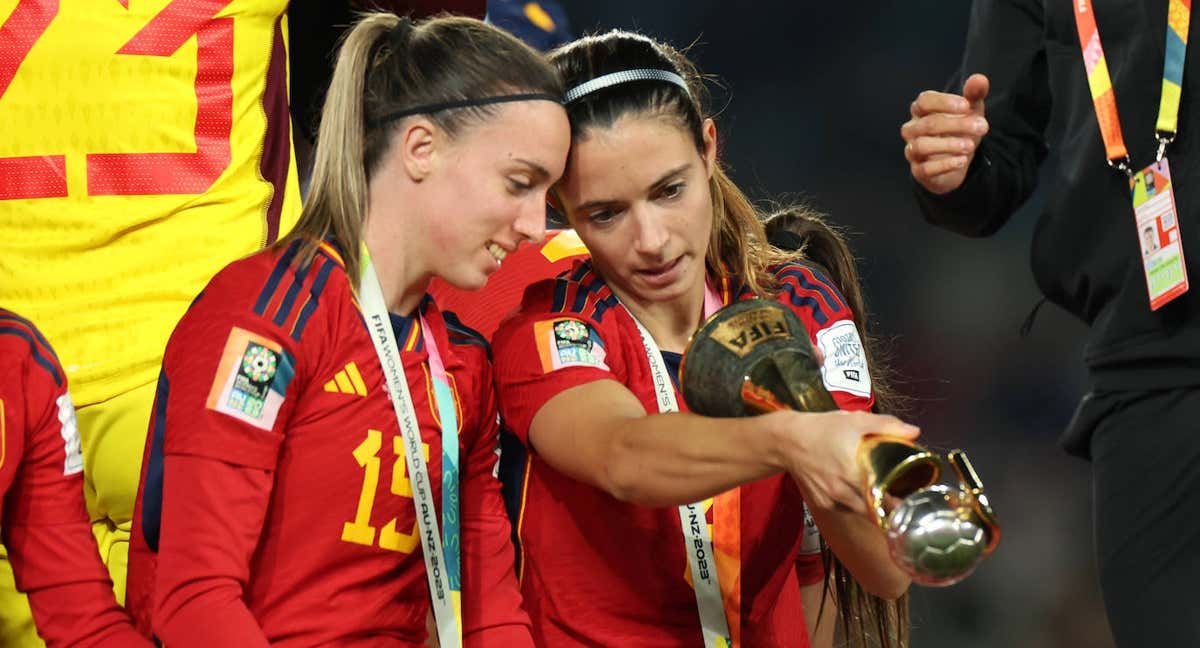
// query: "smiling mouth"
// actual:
[[498, 253]]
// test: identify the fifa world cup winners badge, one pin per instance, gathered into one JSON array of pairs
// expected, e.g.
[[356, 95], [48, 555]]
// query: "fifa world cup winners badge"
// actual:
[[1161, 248]]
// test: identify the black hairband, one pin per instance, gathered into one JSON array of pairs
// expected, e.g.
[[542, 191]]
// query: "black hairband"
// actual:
[[462, 103]]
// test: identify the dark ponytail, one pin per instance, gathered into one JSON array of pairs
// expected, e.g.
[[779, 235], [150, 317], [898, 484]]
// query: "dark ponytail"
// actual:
[[863, 619]]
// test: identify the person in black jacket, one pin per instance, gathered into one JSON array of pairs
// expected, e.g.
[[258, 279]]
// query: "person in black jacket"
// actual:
[[975, 153]]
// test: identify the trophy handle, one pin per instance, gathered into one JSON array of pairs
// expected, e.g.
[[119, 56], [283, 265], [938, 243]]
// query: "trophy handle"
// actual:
[[972, 488], [894, 466], [785, 379]]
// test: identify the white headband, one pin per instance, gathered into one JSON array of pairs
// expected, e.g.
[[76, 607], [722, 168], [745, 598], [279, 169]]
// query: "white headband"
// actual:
[[625, 76]]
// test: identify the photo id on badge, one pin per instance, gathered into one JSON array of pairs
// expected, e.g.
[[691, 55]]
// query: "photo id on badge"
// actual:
[[1158, 233]]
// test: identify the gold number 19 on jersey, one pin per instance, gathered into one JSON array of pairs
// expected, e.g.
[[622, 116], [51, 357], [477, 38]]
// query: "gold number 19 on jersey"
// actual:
[[360, 530]]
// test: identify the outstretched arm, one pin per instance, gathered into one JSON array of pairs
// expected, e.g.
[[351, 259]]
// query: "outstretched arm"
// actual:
[[599, 433]]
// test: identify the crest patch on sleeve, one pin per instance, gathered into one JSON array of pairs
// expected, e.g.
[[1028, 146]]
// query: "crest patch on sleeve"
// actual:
[[845, 367], [568, 342], [251, 379]]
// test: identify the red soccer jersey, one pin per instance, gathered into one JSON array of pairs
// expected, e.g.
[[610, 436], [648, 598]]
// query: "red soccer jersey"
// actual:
[[604, 572], [45, 525], [484, 309], [275, 502]]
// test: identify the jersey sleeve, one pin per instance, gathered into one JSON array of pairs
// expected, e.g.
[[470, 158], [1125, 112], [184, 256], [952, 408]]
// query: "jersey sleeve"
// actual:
[[831, 329], [491, 603], [1007, 41], [230, 381], [231, 374], [211, 522], [484, 309], [46, 527], [540, 353]]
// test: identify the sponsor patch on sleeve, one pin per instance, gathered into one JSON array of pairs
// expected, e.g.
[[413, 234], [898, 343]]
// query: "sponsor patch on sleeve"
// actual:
[[568, 342], [845, 367], [251, 379]]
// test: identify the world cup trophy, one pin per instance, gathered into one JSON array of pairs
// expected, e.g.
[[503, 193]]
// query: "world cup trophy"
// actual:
[[754, 356]]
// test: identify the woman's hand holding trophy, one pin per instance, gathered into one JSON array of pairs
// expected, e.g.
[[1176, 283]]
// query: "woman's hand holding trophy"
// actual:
[[753, 357]]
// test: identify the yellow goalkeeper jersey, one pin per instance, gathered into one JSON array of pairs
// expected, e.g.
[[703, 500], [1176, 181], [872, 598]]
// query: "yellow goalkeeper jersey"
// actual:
[[144, 144]]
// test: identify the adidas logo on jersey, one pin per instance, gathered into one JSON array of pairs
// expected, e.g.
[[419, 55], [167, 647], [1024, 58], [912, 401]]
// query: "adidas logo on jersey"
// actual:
[[347, 381]]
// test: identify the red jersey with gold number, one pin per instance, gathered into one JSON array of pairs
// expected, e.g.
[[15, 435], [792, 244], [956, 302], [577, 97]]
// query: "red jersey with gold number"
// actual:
[[45, 526], [603, 572], [145, 145], [272, 400]]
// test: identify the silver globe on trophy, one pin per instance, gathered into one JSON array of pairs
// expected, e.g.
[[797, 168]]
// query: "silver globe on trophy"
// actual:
[[754, 356]]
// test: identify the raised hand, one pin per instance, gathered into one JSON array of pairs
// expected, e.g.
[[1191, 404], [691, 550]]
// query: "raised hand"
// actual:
[[943, 135]]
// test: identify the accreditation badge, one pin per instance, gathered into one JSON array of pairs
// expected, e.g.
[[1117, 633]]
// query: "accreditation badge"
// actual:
[[1158, 233]]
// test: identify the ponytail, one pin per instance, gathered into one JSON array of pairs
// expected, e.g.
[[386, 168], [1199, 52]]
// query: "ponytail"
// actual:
[[337, 198], [861, 615]]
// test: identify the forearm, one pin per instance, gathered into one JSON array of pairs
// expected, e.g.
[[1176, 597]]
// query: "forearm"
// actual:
[[861, 546], [1006, 42], [212, 518], [820, 614], [214, 615], [54, 556], [1002, 176], [680, 458], [83, 615], [599, 434]]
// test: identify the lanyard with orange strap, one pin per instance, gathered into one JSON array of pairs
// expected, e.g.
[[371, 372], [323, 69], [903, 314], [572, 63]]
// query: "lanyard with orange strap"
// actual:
[[1151, 188]]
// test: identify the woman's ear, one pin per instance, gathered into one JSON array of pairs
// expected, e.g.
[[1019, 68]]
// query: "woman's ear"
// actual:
[[709, 128], [418, 147]]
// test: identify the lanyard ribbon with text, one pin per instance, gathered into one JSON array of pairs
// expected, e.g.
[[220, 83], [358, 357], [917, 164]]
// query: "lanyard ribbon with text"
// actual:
[[1151, 188], [718, 615], [442, 551]]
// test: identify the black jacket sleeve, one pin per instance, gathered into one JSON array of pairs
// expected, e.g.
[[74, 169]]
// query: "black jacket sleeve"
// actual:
[[1005, 41]]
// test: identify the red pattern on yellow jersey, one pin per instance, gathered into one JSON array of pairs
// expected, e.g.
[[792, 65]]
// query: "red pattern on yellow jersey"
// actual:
[[146, 144]]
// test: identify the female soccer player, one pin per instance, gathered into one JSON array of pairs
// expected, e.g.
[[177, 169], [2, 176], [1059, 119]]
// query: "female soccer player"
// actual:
[[321, 452], [42, 514], [619, 489]]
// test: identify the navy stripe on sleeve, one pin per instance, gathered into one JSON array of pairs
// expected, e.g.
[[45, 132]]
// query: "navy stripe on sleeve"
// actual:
[[281, 266]]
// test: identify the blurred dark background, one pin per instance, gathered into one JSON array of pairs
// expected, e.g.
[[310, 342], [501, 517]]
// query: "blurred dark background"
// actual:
[[811, 97]]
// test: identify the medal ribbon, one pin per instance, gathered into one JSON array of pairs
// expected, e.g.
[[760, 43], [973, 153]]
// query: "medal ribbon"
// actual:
[[713, 557], [442, 557]]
